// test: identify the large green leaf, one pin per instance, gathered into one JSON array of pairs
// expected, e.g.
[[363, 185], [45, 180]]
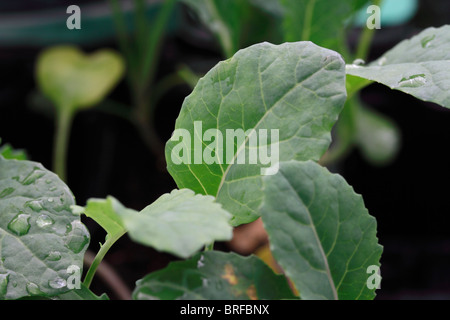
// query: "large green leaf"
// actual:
[[318, 21], [214, 275], [295, 88], [418, 66], [179, 223], [320, 232], [73, 80], [40, 237]]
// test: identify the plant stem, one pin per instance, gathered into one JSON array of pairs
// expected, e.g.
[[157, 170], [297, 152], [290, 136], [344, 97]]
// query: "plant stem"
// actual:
[[306, 31], [154, 39], [345, 132], [109, 276], [209, 247], [365, 39], [63, 125], [99, 257], [222, 31]]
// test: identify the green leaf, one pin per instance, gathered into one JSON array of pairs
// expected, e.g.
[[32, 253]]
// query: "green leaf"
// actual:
[[320, 232], [106, 212], [179, 223], [295, 89], [214, 275], [73, 80], [83, 293], [377, 136], [8, 152], [40, 238], [418, 66], [318, 21]]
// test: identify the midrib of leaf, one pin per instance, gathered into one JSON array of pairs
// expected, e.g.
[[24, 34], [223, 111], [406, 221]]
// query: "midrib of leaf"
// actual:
[[298, 84], [322, 252], [23, 245]]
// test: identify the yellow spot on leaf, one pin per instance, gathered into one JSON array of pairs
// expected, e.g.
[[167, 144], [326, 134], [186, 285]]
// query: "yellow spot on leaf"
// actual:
[[229, 275], [251, 292]]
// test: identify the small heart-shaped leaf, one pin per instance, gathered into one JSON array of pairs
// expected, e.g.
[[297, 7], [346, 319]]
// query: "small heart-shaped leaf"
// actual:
[[74, 80]]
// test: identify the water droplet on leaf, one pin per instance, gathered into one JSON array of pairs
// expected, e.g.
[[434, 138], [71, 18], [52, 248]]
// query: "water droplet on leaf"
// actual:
[[4, 278], [6, 192], [57, 283], [413, 81], [382, 61], [20, 224], [54, 256], [44, 220], [77, 237], [34, 205], [33, 289], [426, 41], [33, 176], [359, 62]]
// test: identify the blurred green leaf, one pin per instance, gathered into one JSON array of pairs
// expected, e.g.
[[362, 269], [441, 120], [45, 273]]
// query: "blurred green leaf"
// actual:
[[377, 136], [73, 80], [8, 152]]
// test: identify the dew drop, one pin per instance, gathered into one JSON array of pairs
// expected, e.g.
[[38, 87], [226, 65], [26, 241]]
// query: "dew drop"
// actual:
[[33, 289], [4, 279], [204, 282], [426, 41], [50, 200], [48, 181], [382, 61], [6, 192], [413, 81], [33, 176], [54, 256], [359, 62], [44, 220], [77, 237], [57, 283], [20, 224], [34, 205]]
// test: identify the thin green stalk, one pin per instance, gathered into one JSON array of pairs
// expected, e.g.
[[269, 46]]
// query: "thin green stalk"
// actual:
[[99, 257], [188, 76], [141, 26], [63, 125], [155, 35], [124, 44], [306, 31], [209, 247], [365, 39], [345, 134], [222, 30]]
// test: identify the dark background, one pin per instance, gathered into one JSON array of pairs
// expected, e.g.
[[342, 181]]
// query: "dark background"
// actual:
[[409, 197]]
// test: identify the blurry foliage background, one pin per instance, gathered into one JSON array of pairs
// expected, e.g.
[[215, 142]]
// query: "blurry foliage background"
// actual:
[[108, 157]]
